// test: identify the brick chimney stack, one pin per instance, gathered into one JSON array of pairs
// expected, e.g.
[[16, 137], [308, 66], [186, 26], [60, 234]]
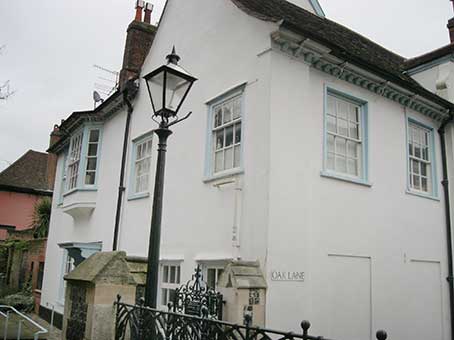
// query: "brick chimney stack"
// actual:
[[451, 26], [140, 36], [55, 136]]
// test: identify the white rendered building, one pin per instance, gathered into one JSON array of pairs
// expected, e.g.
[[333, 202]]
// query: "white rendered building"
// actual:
[[310, 149]]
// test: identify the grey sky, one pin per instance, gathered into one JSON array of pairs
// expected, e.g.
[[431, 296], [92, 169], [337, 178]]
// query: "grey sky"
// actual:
[[51, 47]]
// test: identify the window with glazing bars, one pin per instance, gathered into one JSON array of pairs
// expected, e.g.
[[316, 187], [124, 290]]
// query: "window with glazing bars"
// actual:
[[92, 157], [142, 165], [420, 162], [344, 141], [226, 133], [74, 160], [170, 281]]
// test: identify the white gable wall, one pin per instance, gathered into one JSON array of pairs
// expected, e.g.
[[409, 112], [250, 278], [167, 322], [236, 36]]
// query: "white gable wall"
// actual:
[[327, 227]]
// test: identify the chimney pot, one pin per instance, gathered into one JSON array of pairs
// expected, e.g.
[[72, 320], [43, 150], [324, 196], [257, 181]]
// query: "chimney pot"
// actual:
[[451, 29], [148, 10], [139, 9]]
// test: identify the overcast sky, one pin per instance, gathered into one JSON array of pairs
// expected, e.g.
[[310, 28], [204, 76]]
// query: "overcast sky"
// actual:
[[51, 47]]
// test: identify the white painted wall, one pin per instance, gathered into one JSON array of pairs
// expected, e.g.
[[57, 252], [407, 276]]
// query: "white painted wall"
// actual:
[[290, 217]]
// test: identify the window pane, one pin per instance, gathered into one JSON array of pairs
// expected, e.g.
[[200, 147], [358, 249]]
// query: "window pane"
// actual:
[[410, 149], [178, 274], [228, 158], [425, 154], [91, 164], [90, 178], [331, 124], [237, 156], [227, 113], [352, 167], [94, 136], [229, 136], [237, 108], [172, 294], [331, 105], [424, 184], [341, 164], [343, 127], [417, 151], [166, 274], [342, 109], [424, 170], [330, 143], [219, 161], [340, 146], [352, 149], [211, 278], [330, 161], [353, 130], [416, 182], [92, 149], [164, 297], [219, 139], [218, 117], [172, 274], [353, 113], [237, 133], [415, 167]]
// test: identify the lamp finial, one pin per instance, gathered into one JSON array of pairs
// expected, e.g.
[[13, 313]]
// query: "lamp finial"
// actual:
[[173, 58]]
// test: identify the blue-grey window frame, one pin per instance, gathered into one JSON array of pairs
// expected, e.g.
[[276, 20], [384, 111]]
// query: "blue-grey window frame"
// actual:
[[81, 186], [364, 106], [209, 162], [434, 176]]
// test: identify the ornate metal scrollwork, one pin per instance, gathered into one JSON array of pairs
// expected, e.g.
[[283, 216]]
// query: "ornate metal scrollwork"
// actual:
[[196, 298]]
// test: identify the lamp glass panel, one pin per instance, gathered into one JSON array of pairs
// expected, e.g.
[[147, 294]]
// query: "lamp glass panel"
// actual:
[[176, 88], [155, 85]]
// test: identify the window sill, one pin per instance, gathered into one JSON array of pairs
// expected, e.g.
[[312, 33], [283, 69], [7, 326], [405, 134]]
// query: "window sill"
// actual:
[[78, 189], [420, 194], [223, 175], [339, 177], [138, 196]]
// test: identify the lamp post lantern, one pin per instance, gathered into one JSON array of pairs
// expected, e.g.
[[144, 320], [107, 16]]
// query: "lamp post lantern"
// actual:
[[168, 87]]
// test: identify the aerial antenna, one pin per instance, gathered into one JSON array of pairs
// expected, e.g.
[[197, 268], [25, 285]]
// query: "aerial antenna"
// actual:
[[106, 83]]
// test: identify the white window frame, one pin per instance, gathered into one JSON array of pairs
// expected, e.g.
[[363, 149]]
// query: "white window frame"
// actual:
[[430, 162], [166, 287], [144, 139], [361, 141], [210, 167], [217, 266]]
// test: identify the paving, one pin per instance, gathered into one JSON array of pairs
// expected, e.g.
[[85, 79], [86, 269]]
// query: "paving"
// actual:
[[28, 330]]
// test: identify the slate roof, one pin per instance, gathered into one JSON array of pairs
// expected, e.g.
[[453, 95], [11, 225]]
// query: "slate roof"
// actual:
[[428, 57], [343, 42], [29, 172]]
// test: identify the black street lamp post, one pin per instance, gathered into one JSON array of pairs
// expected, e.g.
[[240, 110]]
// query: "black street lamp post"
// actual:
[[168, 87]]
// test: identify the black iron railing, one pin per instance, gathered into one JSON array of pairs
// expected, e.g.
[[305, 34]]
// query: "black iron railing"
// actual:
[[137, 322]]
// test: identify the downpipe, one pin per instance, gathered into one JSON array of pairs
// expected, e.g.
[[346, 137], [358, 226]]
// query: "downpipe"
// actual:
[[445, 183], [121, 187]]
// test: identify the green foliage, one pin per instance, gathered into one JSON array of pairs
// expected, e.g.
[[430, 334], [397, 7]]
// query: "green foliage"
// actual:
[[23, 300], [16, 244], [41, 218]]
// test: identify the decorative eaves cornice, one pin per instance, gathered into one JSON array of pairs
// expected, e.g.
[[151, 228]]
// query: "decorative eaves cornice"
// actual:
[[319, 57]]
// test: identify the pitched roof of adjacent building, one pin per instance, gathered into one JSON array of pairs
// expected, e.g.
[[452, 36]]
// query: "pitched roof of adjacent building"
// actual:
[[28, 173], [429, 57], [343, 42]]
